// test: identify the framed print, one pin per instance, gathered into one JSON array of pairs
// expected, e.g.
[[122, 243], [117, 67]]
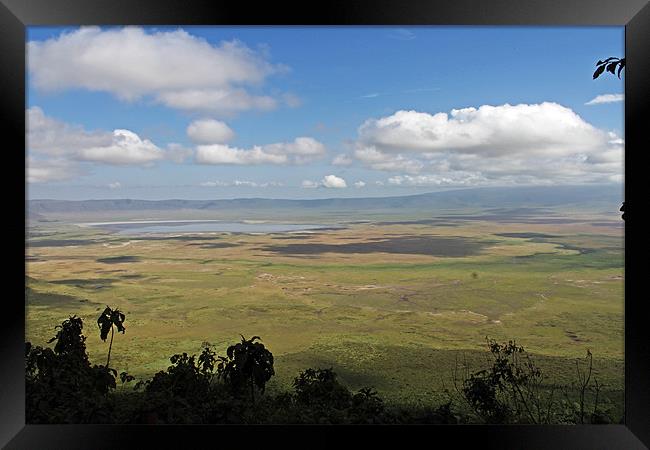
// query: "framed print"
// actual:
[[273, 220]]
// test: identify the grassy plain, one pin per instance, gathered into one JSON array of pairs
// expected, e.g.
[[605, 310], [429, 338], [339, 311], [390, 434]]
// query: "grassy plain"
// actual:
[[387, 304]]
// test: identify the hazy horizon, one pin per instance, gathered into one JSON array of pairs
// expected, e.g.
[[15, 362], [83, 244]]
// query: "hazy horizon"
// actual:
[[364, 195]]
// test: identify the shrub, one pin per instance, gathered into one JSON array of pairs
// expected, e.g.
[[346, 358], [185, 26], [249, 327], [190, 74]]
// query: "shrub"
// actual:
[[185, 392], [514, 390], [248, 365], [60, 384], [320, 398]]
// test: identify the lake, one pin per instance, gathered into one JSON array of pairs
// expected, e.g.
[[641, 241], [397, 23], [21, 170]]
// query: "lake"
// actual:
[[202, 226]]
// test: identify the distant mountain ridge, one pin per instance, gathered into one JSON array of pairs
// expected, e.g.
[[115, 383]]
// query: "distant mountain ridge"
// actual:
[[516, 197]]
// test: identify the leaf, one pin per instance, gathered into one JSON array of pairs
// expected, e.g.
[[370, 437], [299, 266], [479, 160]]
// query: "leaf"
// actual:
[[607, 60], [599, 71], [621, 66], [611, 67]]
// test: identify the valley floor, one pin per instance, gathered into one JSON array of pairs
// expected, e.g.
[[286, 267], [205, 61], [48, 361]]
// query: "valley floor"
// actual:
[[393, 305]]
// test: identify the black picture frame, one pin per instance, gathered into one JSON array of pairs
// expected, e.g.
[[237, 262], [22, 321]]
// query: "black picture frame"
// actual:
[[16, 15]]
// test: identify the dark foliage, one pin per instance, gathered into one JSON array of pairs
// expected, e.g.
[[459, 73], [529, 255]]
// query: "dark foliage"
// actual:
[[108, 321], [321, 387], [126, 378], [185, 393], [623, 211], [60, 384], [69, 340], [514, 390], [248, 365], [610, 65], [442, 415], [109, 318], [320, 398], [62, 387]]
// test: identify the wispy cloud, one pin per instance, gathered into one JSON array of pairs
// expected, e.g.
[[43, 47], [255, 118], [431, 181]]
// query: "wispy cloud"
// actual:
[[342, 160], [309, 184], [406, 91], [241, 183], [401, 34], [414, 91], [606, 98]]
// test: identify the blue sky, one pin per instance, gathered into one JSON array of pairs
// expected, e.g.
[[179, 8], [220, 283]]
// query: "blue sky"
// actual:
[[313, 112]]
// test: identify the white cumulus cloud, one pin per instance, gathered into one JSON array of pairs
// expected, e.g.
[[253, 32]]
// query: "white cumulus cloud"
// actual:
[[332, 181], [218, 101], [125, 148], [60, 151], [54, 138], [546, 143], [51, 169], [174, 68], [300, 150], [328, 181], [209, 131]]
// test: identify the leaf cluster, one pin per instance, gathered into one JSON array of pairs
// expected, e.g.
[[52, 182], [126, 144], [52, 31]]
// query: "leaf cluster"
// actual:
[[107, 319], [610, 65], [247, 364]]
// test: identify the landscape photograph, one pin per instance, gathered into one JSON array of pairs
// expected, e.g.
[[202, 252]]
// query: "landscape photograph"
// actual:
[[325, 225]]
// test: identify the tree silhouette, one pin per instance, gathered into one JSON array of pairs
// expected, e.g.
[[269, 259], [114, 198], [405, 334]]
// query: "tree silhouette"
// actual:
[[247, 363], [60, 384], [610, 64], [109, 319], [69, 340]]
